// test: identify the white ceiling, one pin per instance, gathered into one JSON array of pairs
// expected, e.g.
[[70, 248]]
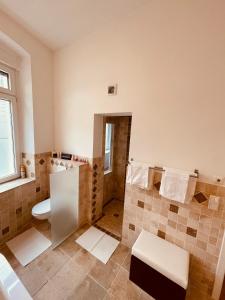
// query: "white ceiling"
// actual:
[[59, 22]]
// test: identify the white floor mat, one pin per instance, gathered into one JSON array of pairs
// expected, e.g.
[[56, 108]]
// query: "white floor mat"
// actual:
[[90, 238], [98, 243], [105, 248], [28, 245]]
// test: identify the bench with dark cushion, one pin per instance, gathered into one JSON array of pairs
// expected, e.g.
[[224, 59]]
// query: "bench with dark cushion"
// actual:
[[159, 267]]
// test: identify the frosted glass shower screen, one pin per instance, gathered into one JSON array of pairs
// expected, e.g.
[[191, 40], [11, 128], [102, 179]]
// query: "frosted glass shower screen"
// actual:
[[64, 204]]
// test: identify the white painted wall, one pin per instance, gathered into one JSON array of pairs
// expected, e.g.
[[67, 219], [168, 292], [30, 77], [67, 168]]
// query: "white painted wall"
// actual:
[[169, 62], [25, 106], [42, 80], [9, 57]]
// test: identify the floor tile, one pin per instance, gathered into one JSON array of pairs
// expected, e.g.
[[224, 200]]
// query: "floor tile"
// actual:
[[67, 279], [112, 217], [120, 254], [126, 263], [48, 292], [33, 278], [80, 231], [88, 290], [145, 296], [122, 288], [69, 247], [104, 274], [84, 260], [51, 262]]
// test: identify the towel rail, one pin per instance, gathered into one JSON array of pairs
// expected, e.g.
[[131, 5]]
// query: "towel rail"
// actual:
[[160, 169], [196, 175]]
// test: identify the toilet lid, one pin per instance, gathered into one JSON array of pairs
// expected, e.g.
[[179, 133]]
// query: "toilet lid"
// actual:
[[42, 207]]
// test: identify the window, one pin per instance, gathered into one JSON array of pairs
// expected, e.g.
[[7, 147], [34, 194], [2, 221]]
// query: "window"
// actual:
[[108, 147], [9, 160], [4, 80]]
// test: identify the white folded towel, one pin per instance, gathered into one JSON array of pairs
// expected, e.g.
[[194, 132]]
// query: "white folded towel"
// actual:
[[139, 174], [174, 185]]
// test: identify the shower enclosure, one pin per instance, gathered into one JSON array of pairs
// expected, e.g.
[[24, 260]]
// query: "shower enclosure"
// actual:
[[64, 187]]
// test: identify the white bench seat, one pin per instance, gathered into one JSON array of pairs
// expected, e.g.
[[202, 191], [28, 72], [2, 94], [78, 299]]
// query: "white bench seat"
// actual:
[[164, 257]]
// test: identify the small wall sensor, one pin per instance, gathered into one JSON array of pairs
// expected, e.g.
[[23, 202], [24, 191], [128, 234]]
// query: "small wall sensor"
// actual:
[[112, 90]]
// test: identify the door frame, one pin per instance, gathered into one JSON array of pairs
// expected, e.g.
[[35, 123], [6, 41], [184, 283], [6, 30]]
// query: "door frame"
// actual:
[[98, 135]]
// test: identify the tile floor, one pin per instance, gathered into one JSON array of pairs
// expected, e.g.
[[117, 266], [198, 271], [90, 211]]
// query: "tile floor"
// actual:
[[70, 272], [113, 218]]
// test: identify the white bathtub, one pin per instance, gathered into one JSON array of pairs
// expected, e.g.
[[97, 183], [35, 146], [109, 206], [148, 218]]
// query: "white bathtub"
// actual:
[[11, 288]]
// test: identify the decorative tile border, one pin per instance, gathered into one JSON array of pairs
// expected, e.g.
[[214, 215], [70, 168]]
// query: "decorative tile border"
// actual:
[[96, 188]]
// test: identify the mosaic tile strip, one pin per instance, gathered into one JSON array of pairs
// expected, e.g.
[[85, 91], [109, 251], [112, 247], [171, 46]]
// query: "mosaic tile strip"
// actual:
[[107, 232]]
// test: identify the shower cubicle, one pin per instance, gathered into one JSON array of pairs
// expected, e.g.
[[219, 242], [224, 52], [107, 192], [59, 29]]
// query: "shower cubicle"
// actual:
[[64, 187]]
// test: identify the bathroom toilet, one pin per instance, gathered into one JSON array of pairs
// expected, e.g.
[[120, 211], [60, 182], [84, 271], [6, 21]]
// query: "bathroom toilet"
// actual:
[[42, 210]]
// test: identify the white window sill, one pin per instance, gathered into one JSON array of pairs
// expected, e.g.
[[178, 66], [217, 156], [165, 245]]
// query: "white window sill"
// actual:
[[7, 186]]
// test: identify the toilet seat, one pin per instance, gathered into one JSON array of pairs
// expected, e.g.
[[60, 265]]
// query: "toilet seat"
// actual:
[[42, 209]]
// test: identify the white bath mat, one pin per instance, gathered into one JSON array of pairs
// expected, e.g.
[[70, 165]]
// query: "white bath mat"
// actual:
[[90, 238], [28, 245], [98, 243], [105, 248]]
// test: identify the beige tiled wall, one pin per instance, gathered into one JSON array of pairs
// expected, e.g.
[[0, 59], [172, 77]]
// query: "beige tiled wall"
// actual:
[[37, 167], [16, 204], [28, 160], [42, 162], [192, 226], [15, 210]]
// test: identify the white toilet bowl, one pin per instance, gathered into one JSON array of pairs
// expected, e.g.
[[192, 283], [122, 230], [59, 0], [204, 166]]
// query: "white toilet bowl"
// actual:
[[42, 210]]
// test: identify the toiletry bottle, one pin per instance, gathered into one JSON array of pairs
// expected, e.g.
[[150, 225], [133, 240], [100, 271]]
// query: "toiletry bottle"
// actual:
[[22, 171]]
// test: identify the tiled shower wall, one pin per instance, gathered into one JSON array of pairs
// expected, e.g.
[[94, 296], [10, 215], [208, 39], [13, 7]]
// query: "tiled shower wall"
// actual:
[[114, 182], [192, 226]]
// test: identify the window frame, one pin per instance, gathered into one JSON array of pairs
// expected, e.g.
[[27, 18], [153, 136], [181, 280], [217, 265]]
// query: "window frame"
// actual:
[[10, 95], [110, 170], [12, 80]]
